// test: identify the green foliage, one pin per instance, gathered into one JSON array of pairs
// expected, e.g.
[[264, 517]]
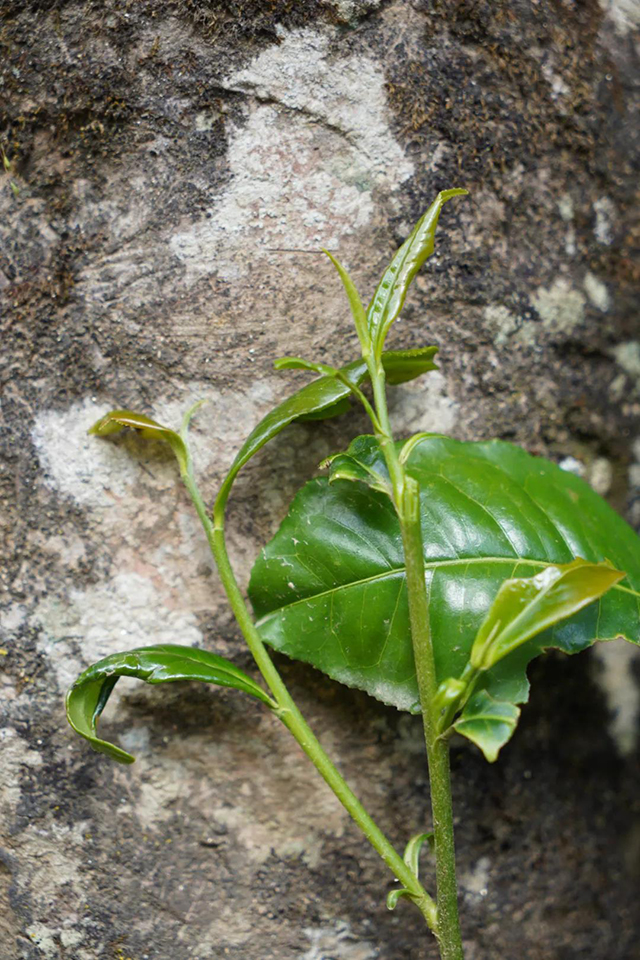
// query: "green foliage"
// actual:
[[330, 588], [324, 398], [465, 560], [411, 857], [163, 663], [117, 420], [392, 290]]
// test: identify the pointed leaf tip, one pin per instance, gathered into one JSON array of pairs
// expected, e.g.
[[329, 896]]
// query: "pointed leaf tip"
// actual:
[[526, 606], [392, 289], [357, 310], [487, 722]]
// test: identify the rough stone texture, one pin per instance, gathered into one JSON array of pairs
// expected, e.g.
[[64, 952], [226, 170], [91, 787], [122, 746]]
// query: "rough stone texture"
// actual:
[[172, 169]]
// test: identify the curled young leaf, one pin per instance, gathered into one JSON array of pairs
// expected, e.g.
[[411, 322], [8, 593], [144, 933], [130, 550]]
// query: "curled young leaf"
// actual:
[[403, 365], [411, 857], [394, 895], [349, 466], [526, 606], [412, 850], [162, 663], [487, 722], [323, 398], [117, 420], [392, 290]]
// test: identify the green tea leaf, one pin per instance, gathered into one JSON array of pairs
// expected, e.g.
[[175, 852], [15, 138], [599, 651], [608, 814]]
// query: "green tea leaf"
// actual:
[[117, 420], [412, 859], [325, 397], [357, 310], [412, 850], [297, 363], [322, 398], [488, 723], [403, 365], [163, 663], [348, 466], [330, 588], [394, 895], [392, 290], [525, 606]]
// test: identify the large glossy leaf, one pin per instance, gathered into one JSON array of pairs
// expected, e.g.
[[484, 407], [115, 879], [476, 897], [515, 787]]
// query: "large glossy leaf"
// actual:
[[330, 587], [391, 292], [163, 663]]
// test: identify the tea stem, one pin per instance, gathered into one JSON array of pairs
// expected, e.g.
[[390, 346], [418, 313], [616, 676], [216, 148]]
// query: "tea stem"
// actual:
[[449, 935], [407, 501]]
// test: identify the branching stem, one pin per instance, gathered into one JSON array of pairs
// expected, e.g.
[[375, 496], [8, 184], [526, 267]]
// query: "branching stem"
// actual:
[[289, 713]]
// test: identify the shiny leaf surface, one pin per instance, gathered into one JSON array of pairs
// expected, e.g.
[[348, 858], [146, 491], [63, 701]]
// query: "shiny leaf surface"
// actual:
[[392, 290], [403, 365], [322, 398], [525, 606], [487, 722], [330, 587], [164, 663], [351, 466]]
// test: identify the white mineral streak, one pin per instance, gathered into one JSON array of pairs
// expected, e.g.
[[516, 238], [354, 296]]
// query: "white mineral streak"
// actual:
[[155, 593], [126, 611], [475, 881], [351, 9], [506, 326], [315, 144], [624, 14], [605, 212], [627, 356], [337, 940]]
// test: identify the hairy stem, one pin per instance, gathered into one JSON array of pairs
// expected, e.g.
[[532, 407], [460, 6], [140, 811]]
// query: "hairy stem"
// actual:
[[289, 713], [449, 936], [407, 500]]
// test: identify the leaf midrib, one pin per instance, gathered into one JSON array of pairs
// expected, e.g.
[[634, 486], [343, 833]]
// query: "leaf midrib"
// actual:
[[434, 564]]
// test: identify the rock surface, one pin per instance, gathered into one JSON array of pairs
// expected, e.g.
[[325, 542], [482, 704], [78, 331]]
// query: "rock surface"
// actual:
[[170, 172]]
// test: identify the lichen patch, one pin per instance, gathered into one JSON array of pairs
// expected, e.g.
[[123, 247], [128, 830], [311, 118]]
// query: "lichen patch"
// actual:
[[315, 145]]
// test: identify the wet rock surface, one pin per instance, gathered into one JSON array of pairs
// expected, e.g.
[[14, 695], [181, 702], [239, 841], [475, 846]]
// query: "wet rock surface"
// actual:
[[171, 170]]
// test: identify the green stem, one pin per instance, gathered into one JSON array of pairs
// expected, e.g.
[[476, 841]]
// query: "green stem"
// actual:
[[385, 437], [288, 711], [407, 500], [449, 936]]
